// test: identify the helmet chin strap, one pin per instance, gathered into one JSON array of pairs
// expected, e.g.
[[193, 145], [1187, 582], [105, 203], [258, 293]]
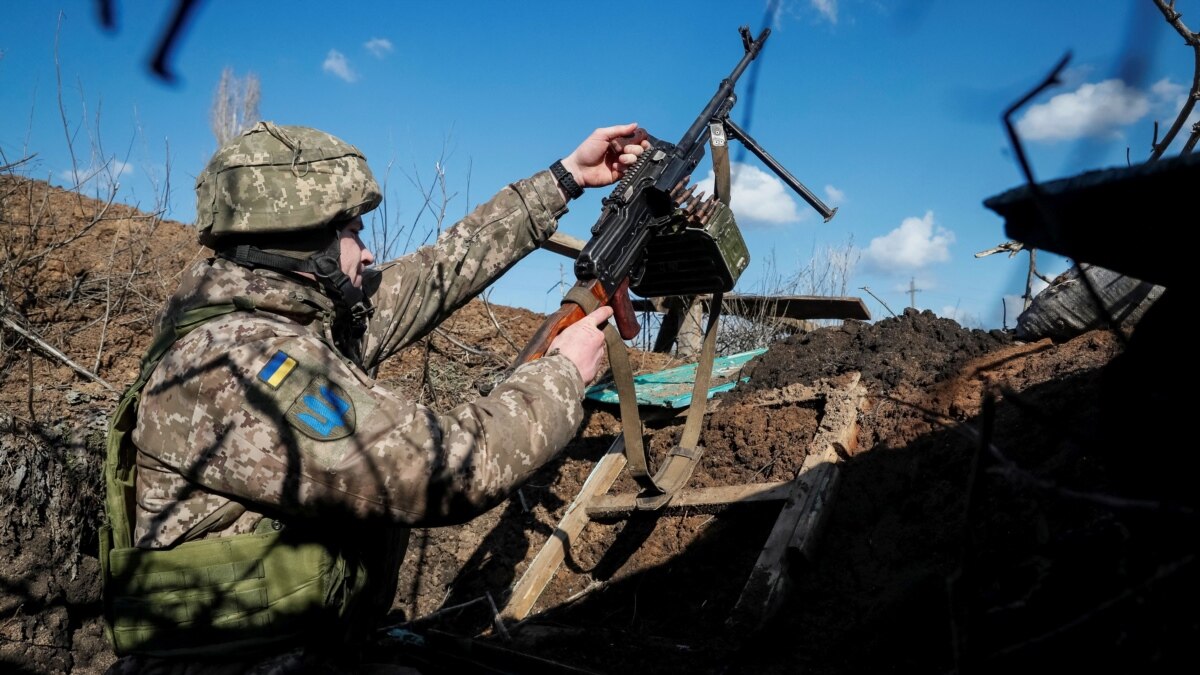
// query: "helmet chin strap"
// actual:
[[353, 305]]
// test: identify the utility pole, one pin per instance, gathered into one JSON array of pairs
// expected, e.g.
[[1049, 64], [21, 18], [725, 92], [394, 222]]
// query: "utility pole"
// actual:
[[912, 292]]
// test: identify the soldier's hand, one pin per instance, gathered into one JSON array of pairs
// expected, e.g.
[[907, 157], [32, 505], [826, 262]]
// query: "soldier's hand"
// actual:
[[604, 155], [583, 343]]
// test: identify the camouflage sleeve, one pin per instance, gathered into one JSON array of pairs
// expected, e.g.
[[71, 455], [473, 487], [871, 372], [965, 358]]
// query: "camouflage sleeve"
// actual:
[[421, 289], [284, 423]]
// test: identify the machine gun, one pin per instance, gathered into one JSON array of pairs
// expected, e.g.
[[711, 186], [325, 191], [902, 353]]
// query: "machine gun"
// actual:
[[658, 238]]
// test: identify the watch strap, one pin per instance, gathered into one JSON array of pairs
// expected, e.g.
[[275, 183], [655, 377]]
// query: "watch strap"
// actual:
[[566, 180]]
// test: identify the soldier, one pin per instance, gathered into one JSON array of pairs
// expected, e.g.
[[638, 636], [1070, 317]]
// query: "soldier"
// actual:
[[260, 483]]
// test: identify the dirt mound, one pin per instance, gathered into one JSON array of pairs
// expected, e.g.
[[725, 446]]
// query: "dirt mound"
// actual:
[[1007, 504], [916, 349]]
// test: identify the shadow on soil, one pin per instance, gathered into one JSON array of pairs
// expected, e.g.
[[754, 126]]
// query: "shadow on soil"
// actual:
[[1068, 544]]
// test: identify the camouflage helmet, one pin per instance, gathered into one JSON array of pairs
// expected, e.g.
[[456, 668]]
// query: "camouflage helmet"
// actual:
[[275, 179]]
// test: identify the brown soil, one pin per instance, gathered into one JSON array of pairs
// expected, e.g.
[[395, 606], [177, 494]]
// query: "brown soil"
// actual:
[[1007, 506]]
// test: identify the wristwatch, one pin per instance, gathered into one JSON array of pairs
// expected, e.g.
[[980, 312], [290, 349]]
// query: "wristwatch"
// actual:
[[566, 180]]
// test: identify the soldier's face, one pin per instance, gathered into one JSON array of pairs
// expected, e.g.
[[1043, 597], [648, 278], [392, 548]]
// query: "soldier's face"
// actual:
[[355, 254]]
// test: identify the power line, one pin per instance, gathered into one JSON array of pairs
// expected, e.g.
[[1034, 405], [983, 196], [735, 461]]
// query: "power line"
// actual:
[[912, 292]]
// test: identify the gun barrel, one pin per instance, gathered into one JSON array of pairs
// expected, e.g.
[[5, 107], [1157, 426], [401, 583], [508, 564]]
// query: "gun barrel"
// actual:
[[693, 136]]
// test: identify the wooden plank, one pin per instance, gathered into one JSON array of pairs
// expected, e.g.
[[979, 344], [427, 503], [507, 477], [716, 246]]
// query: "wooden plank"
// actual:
[[564, 244], [796, 307], [531, 584], [700, 500], [805, 511]]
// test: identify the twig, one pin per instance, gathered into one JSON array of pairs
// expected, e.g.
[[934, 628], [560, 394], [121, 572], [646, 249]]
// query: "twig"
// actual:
[[107, 306], [496, 620], [465, 347], [51, 351], [62, 111], [1174, 18], [488, 306], [879, 300], [1010, 247], [76, 235], [434, 614], [591, 588], [1029, 277], [29, 360], [1019, 148], [19, 162]]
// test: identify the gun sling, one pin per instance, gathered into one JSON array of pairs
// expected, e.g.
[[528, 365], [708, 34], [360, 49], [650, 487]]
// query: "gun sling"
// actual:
[[660, 487]]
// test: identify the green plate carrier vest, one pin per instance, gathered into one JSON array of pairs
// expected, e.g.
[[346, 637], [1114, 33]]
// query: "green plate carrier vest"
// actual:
[[227, 596]]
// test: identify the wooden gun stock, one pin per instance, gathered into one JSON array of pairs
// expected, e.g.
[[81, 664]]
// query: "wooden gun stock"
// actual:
[[570, 313]]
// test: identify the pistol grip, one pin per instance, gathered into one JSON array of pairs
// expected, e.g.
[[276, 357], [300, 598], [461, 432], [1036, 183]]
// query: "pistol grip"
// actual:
[[626, 318]]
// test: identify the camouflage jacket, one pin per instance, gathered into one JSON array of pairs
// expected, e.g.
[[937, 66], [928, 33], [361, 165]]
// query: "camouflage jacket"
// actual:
[[258, 407]]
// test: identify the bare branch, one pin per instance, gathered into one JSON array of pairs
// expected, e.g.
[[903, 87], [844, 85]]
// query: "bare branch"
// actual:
[[1190, 39], [879, 300], [49, 350], [1010, 247], [19, 162]]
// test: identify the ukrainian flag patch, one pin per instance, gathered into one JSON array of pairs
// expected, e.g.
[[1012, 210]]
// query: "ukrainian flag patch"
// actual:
[[277, 369]]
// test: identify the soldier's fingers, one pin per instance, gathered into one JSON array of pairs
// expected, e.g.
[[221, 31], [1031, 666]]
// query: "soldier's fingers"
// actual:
[[618, 131], [600, 316]]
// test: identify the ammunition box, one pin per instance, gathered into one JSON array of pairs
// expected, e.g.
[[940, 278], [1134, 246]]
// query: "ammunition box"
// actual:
[[684, 259]]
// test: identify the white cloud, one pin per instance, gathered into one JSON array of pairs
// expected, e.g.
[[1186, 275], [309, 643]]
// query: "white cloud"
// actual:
[[107, 173], [917, 243], [826, 8], [834, 196], [757, 195], [378, 47], [1091, 110], [338, 65], [1167, 91]]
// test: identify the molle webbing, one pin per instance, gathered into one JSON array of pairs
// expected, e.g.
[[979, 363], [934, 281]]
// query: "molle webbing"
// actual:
[[224, 596]]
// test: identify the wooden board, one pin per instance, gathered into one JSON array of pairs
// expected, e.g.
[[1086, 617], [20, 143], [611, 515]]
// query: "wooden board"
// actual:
[[806, 509], [796, 307], [531, 584], [564, 244], [701, 500]]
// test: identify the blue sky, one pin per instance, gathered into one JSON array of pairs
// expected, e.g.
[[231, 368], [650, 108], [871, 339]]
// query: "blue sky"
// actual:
[[888, 110]]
